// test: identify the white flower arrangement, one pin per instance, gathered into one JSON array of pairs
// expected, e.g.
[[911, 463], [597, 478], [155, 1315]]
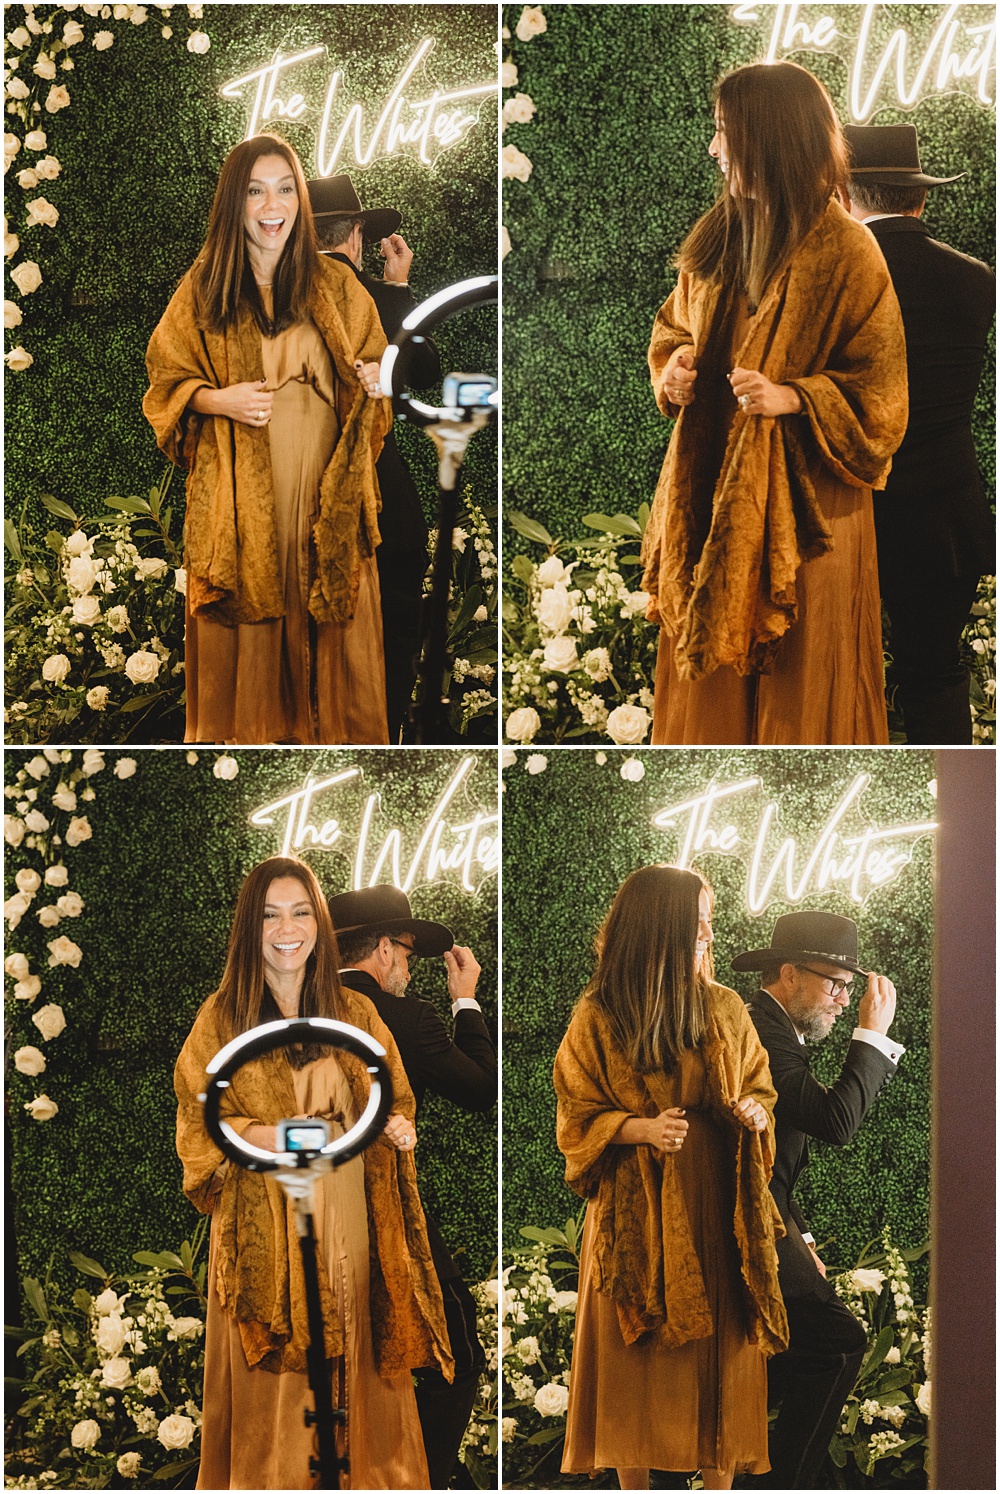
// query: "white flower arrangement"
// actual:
[[479, 1445], [979, 645], [519, 110], [472, 616], [579, 656]]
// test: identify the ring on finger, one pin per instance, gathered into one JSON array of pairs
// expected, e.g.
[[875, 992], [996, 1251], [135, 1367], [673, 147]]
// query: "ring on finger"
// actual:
[[746, 400]]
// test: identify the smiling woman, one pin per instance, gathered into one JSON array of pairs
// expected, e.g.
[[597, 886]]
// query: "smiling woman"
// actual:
[[263, 374]]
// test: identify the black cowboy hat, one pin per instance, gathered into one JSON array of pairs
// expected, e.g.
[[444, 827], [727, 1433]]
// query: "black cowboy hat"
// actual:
[[798, 937], [335, 197], [888, 156], [387, 909]]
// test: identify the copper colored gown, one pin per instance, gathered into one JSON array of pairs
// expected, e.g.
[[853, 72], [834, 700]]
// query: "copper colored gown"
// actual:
[[825, 685], [291, 679], [703, 1405], [253, 1431]]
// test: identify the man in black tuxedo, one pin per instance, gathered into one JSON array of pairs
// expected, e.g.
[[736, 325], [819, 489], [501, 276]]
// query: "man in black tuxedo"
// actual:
[[378, 938], [343, 227], [933, 525], [805, 985]]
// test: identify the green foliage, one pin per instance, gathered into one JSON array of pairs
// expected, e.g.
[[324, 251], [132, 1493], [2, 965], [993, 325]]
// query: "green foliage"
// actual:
[[141, 146], [159, 879], [613, 191], [580, 829]]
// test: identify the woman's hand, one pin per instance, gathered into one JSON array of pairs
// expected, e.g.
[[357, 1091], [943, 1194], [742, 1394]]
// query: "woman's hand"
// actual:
[[266, 1137], [758, 396], [368, 374], [750, 1113], [679, 376], [247, 404], [400, 1131], [667, 1131]]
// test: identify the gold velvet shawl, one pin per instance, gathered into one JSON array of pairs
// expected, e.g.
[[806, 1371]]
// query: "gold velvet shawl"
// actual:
[[259, 1278], [722, 549], [644, 1257], [230, 545]]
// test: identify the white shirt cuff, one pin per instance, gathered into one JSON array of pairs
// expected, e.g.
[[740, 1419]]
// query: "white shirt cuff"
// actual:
[[809, 1239], [465, 1004], [887, 1045]]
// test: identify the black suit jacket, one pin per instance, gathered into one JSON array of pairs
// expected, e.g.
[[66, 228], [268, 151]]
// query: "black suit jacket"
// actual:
[[463, 1070], [948, 301], [401, 522], [807, 1108]]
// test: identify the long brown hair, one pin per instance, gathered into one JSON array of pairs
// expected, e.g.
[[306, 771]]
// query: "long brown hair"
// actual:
[[244, 999], [224, 284], [787, 156], [646, 978]]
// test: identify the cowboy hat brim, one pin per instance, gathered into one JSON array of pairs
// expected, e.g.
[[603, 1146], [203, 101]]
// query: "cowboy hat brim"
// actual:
[[876, 176], [376, 223], [760, 959], [428, 938]]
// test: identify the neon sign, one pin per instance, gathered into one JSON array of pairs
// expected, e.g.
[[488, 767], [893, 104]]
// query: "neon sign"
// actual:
[[469, 850], [426, 126], [956, 56], [856, 863]]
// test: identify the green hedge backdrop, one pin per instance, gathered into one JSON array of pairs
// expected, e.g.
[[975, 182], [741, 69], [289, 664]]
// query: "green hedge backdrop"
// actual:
[[159, 878], [620, 173], [580, 829], [141, 144]]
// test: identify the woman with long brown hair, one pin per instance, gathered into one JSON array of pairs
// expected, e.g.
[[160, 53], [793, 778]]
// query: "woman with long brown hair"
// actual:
[[665, 1109], [382, 1307], [780, 355], [264, 387]]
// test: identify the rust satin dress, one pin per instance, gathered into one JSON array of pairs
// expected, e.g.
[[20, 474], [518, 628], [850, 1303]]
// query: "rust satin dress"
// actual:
[[703, 1405], [291, 679], [253, 1429], [825, 685]]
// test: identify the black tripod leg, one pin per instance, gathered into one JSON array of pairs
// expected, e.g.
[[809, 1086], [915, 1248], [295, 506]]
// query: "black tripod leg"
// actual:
[[435, 651], [329, 1465]]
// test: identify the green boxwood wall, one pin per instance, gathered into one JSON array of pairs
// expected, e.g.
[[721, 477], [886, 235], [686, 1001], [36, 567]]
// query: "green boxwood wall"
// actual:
[[159, 879], [580, 829], [141, 145], [620, 173]]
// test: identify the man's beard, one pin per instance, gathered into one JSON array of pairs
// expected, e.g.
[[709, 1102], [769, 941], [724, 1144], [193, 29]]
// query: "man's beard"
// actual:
[[395, 983], [812, 1024]]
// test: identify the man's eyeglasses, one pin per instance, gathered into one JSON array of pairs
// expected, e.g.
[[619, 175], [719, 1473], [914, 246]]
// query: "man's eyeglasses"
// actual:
[[411, 953], [838, 987]]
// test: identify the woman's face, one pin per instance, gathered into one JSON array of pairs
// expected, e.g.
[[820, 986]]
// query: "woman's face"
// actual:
[[717, 148], [289, 928], [705, 935], [272, 204]]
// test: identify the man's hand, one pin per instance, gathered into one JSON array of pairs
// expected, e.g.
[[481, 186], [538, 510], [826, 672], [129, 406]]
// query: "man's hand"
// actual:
[[758, 396], [679, 376], [463, 971], [817, 1262], [398, 258], [878, 1005]]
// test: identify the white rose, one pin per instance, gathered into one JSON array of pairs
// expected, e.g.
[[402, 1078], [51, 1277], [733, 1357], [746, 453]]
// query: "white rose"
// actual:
[[187, 1328], [125, 767], [138, 15], [148, 1380], [28, 179], [635, 603], [515, 163], [97, 698], [480, 615], [552, 572], [628, 725], [36, 140], [13, 829], [28, 881], [519, 109], [508, 74], [26, 276], [40, 210], [892, 1355], [42, 1109], [226, 767], [108, 1301], [116, 1374], [81, 574], [508, 757], [531, 24], [491, 1291], [18, 359], [19, 38], [70, 905], [536, 763], [109, 1334], [12, 314], [78, 830], [152, 569], [565, 1301], [16, 966], [103, 40], [44, 68], [93, 761], [56, 668], [181, 581], [560, 654], [523, 724], [48, 917], [176, 1432], [85, 1434], [632, 770], [64, 798], [36, 822], [923, 1398], [552, 1399], [77, 542], [56, 876], [505, 248], [72, 33], [28, 988], [117, 619], [196, 42], [527, 1350], [16, 89], [128, 1465], [597, 663], [87, 611], [50, 1021], [555, 610], [58, 98], [142, 667], [11, 243], [867, 1281], [48, 168], [29, 1061], [63, 951]]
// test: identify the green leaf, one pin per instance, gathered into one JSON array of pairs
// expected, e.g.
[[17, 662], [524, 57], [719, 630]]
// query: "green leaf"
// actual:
[[88, 1267], [35, 1295], [643, 516], [838, 1453], [26, 1407], [26, 1346], [170, 1469], [613, 524], [57, 507], [880, 1349], [55, 541], [896, 1379], [12, 540], [472, 600], [543, 1236], [139, 701], [530, 528], [550, 1434], [164, 1259], [129, 505], [522, 568]]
